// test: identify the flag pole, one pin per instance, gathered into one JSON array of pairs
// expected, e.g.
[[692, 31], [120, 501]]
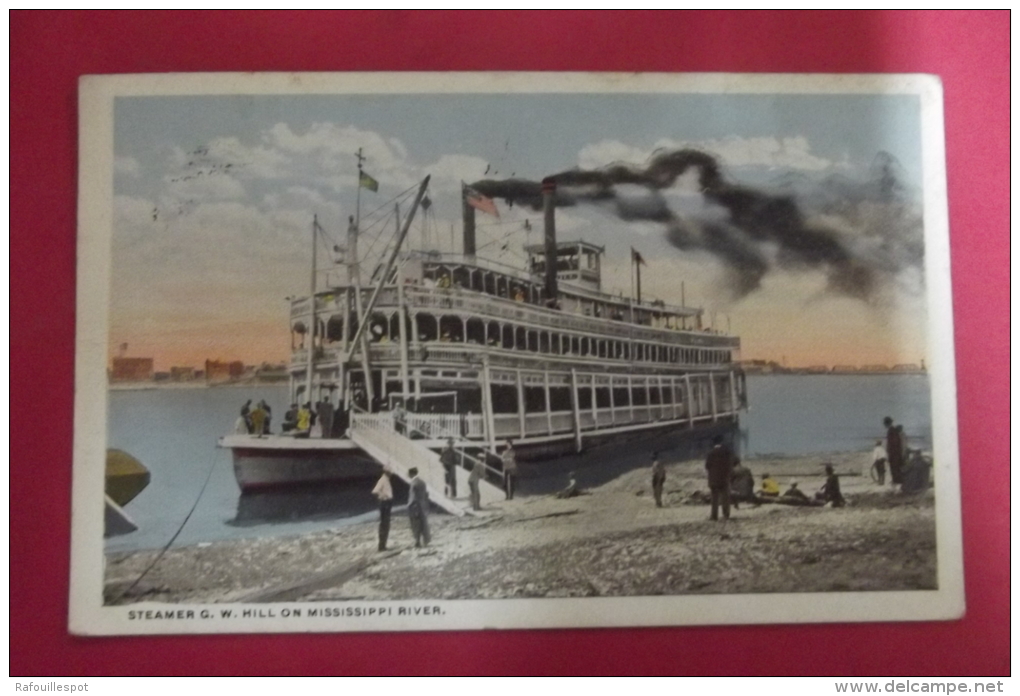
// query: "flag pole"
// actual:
[[637, 268], [632, 264], [309, 376]]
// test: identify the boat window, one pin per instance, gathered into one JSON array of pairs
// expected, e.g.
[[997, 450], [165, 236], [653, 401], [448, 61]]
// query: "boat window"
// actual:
[[602, 397], [494, 334], [335, 328], [534, 399], [475, 331], [639, 395], [533, 341], [584, 398], [621, 396], [504, 398], [428, 327], [559, 399], [451, 329], [667, 394]]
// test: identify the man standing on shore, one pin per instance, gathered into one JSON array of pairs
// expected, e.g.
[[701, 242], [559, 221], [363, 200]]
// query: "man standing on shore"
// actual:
[[449, 461], [658, 478], [719, 464], [509, 469], [893, 450], [878, 459], [477, 473], [384, 492], [418, 509]]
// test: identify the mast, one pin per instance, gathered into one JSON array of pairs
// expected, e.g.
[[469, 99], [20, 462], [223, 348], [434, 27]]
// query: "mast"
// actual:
[[353, 267], [386, 271], [403, 321], [311, 329]]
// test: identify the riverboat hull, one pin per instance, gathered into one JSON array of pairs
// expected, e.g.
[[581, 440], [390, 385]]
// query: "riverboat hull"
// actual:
[[283, 462]]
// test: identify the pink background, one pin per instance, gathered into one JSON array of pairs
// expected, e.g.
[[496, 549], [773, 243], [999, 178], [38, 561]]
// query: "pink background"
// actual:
[[969, 51]]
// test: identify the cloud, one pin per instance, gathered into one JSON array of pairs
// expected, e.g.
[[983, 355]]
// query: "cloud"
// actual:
[[126, 165]]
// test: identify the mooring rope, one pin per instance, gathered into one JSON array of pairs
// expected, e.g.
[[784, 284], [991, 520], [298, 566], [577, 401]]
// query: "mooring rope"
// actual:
[[165, 548]]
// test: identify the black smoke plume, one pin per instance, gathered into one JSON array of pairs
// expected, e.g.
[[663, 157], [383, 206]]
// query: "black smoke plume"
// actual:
[[859, 235]]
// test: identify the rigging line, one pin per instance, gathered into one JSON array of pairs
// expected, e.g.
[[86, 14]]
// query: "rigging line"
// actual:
[[380, 235], [506, 236], [375, 240], [501, 223], [163, 551], [392, 200]]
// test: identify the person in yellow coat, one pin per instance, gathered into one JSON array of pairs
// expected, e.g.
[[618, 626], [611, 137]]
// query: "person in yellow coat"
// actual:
[[769, 486]]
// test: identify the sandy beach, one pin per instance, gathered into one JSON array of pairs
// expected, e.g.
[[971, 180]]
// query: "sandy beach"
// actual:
[[611, 541]]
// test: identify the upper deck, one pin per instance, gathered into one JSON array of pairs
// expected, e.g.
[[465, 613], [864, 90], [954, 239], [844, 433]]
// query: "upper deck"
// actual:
[[485, 306]]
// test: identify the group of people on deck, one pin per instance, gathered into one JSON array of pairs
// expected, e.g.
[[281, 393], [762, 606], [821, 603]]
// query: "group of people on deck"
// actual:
[[255, 420], [322, 419]]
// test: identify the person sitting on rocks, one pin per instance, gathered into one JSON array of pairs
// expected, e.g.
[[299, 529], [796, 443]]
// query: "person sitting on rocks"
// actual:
[[571, 490], [769, 486], [830, 492], [794, 493], [742, 485], [915, 473]]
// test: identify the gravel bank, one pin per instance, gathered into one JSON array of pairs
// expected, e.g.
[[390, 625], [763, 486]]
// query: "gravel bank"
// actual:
[[612, 541]]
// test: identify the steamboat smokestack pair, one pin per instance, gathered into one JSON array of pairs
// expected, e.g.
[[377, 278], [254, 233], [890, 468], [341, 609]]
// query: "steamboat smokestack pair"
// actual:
[[549, 211]]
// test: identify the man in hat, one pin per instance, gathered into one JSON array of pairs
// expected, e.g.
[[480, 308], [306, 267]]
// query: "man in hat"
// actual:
[[449, 461], [719, 465], [384, 492], [418, 509], [658, 478], [509, 470], [830, 492], [795, 493]]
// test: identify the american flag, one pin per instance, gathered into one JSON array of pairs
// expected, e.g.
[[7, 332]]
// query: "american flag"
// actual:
[[480, 202]]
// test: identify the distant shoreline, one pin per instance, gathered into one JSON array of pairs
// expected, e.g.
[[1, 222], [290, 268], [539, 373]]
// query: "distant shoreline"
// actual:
[[149, 386], [143, 386]]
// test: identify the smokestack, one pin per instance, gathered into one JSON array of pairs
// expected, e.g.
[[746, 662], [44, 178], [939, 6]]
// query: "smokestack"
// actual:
[[469, 228], [549, 209]]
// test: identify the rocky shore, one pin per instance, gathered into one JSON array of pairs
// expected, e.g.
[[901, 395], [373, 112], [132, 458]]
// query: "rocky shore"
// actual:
[[611, 541]]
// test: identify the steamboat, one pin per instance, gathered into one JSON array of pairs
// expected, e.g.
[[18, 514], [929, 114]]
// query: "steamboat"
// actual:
[[441, 348]]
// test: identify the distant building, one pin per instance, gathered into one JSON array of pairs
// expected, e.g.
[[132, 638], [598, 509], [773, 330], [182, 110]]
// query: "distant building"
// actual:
[[874, 368], [272, 373], [844, 368], [816, 369], [132, 370], [219, 371], [182, 374], [161, 376], [908, 367]]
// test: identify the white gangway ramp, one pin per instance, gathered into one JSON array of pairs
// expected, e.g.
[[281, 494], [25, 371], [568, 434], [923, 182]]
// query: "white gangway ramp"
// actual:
[[376, 435]]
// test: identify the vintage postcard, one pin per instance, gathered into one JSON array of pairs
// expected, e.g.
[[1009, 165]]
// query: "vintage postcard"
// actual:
[[384, 352]]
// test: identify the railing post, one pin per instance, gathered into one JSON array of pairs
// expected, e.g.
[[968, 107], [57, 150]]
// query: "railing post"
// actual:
[[712, 396], [520, 404], [612, 402], [548, 406], [689, 400], [577, 409], [489, 421]]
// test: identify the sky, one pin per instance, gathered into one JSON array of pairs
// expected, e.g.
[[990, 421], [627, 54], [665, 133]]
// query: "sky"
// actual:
[[214, 198]]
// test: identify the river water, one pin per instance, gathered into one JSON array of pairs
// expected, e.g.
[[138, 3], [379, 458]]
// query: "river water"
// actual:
[[173, 432]]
